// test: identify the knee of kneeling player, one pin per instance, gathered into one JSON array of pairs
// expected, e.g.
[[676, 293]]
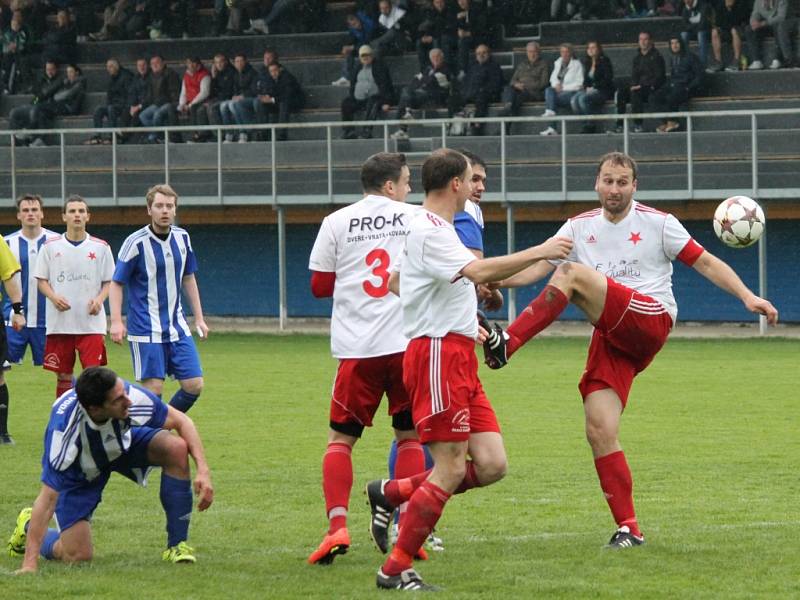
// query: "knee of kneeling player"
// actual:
[[494, 470], [76, 555]]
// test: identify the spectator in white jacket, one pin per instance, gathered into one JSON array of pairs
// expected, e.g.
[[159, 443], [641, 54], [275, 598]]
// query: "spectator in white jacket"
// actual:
[[391, 38], [566, 80]]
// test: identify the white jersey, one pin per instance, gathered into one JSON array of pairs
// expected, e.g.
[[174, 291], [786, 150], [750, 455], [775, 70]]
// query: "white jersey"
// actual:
[[76, 272], [637, 252], [27, 251], [436, 299], [360, 244]]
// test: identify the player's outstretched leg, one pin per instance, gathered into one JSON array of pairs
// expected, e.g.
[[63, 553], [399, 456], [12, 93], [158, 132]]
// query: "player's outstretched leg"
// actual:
[[337, 481]]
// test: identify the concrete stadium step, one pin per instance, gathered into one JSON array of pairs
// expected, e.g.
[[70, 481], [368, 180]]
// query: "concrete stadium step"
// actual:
[[614, 31]]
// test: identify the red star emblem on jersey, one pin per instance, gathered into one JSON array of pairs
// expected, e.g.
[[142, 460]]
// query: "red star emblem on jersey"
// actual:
[[92, 256], [635, 238]]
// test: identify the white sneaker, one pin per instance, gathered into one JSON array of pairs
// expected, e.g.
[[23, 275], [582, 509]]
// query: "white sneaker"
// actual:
[[228, 138], [257, 26], [775, 64], [549, 113], [548, 131], [341, 82], [242, 138], [408, 115], [399, 135], [38, 143], [756, 65]]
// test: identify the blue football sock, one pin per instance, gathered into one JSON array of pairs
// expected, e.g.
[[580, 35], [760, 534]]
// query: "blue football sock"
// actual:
[[50, 539], [183, 400], [392, 458], [176, 498], [428, 457]]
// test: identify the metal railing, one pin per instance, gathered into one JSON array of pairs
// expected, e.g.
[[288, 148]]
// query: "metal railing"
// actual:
[[280, 201]]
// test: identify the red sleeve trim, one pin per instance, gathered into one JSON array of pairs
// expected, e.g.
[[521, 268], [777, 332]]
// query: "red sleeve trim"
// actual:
[[690, 253], [322, 283]]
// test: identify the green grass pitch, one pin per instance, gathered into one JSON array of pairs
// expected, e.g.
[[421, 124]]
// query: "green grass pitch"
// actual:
[[711, 434]]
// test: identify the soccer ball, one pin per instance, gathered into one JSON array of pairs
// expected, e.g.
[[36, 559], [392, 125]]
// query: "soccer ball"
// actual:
[[739, 222]]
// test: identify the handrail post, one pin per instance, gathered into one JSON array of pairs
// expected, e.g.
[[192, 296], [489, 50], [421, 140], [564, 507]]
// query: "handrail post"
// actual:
[[689, 158], [563, 159], [166, 157], [329, 146], [62, 152], [273, 161], [13, 167], [220, 197], [114, 189], [282, 309], [762, 243], [511, 309]]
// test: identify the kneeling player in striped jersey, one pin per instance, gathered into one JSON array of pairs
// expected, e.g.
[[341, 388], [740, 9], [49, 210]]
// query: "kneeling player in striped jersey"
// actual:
[[107, 425]]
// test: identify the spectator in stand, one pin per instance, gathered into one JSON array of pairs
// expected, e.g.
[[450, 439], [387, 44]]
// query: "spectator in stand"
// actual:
[[685, 81], [483, 84], [66, 101], [279, 8], [527, 84], [278, 94], [698, 16], [137, 93], [472, 30], [61, 43], [136, 27], [161, 99], [223, 83], [195, 90], [730, 20], [17, 44], [371, 90], [361, 30], [430, 87], [648, 74], [438, 29], [566, 80], [115, 16], [779, 18], [598, 86], [238, 110], [113, 111], [26, 116], [392, 35]]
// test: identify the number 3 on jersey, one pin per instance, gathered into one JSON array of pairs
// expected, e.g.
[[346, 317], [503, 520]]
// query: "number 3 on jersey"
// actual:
[[380, 258]]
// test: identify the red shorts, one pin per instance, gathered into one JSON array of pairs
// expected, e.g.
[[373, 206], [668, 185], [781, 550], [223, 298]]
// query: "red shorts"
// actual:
[[629, 334], [60, 348], [448, 401], [360, 385]]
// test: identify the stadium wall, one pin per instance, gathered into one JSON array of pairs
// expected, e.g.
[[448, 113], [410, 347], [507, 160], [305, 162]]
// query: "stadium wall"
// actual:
[[239, 268]]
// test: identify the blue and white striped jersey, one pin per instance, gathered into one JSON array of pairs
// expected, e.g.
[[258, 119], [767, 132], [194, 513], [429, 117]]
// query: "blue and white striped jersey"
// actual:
[[153, 270], [34, 302], [469, 226], [77, 450]]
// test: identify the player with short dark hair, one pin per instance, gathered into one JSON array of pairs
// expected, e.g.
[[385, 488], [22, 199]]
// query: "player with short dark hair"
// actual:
[[450, 410], [160, 339], [619, 274], [74, 271], [107, 425], [352, 258]]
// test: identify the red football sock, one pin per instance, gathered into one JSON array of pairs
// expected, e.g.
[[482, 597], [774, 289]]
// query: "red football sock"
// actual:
[[424, 510], [398, 491], [410, 461], [62, 386], [337, 480], [543, 310], [470, 479], [617, 484]]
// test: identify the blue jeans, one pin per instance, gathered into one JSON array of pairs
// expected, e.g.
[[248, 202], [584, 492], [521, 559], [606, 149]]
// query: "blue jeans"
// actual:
[[553, 100], [703, 40], [156, 116], [588, 102]]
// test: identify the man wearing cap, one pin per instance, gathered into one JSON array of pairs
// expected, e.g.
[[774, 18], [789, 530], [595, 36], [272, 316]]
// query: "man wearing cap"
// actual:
[[371, 90]]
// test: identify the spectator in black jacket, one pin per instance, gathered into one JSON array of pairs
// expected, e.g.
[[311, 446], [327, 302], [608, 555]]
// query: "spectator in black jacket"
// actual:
[[117, 94], [28, 116], [66, 101], [730, 20], [239, 109], [223, 83], [17, 49], [430, 87], [371, 90], [685, 81], [482, 85], [697, 19], [61, 43], [278, 94], [648, 75], [471, 30], [161, 99], [136, 94], [598, 85], [438, 29]]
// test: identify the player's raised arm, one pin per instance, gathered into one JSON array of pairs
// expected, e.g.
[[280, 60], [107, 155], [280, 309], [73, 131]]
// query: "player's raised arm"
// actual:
[[185, 428], [43, 509], [724, 277], [488, 270]]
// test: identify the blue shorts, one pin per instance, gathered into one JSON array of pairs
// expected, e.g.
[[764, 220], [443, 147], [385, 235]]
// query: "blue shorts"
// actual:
[[19, 340], [155, 361], [77, 503]]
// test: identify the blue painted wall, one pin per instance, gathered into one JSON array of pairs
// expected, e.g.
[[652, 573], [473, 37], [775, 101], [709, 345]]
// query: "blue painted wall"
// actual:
[[239, 274]]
